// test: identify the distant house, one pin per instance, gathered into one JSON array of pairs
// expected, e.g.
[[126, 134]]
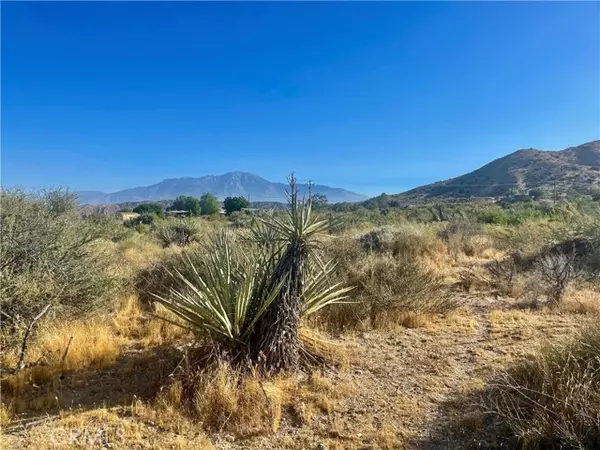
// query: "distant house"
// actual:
[[178, 213], [125, 216]]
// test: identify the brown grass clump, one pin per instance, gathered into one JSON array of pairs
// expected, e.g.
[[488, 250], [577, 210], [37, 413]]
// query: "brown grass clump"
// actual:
[[223, 399], [553, 399], [105, 428], [92, 345], [466, 239], [583, 301], [138, 252], [145, 324], [5, 415]]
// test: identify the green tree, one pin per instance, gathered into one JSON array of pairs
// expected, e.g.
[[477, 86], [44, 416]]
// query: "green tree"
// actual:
[[150, 208], [319, 201], [232, 204], [187, 203], [209, 204]]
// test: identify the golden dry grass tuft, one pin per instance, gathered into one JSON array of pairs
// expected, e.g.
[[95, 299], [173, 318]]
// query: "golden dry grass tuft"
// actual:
[[91, 345], [583, 301], [146, 324], [105, 428], [223, 400], [552, 400]]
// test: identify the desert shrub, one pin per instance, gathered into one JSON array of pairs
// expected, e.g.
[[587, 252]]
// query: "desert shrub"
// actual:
[[553, 399], [408, 240], [157, 277], [147, 219], [107, 227], [582, 234], [527, 240], [503, 276], [389, 283], [398, 284], [466, 238], [460, 228], [379, 239], [178, 232], [557, 271], [414, 241], [509, 216], [50, 255], [240, 219]]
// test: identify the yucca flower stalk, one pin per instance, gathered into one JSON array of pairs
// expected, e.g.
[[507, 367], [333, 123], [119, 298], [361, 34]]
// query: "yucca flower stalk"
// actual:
[[276, 340]]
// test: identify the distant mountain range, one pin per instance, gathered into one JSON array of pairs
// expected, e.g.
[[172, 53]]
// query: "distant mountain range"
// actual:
[[575, 169], [231, 184]]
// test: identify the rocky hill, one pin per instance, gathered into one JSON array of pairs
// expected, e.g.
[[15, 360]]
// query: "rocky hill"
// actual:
[[573, 170]]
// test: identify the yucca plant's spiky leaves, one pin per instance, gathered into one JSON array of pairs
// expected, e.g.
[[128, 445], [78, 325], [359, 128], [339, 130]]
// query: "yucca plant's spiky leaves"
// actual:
[[223, 297], [320, 291]]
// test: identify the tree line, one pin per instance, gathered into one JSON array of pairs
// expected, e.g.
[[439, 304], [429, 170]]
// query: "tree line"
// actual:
[[206, 205]]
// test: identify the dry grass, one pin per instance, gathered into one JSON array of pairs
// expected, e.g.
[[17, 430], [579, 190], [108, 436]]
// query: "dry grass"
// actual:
[[138, 252], [224, 400], [583, 301], [553, 399], [389, 389], [105, 428], [93, 346], [146, 325]]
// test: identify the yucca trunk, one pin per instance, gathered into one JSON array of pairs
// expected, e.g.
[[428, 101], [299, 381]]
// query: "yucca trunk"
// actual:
[[276, 340]]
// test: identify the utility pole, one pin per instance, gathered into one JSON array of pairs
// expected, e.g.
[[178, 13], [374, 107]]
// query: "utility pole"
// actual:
[[555, 194]]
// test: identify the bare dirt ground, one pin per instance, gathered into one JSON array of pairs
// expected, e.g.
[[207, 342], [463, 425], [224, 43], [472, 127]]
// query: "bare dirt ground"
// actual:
[[410, 388]]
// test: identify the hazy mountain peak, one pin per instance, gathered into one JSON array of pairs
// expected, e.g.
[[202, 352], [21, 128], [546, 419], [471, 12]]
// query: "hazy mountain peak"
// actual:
[[234, 183]]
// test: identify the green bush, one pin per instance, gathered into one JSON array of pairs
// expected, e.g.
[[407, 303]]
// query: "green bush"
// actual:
[[150, 208], [50, 255]]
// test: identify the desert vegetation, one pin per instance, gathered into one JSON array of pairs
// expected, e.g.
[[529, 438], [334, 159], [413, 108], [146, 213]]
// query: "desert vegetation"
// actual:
[[435, 326]]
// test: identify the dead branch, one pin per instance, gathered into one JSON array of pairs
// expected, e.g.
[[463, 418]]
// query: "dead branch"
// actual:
[[24, 344]]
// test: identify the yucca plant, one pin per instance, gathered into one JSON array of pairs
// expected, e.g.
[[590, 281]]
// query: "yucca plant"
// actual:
[[179, 232], [296, 236], [222, 296], [248, 302]]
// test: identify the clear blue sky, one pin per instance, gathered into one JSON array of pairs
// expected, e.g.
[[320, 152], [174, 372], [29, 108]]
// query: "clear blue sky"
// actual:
[[372, 97]]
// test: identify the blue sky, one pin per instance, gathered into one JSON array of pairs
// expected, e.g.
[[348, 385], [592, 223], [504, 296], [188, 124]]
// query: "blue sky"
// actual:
[[373, 97]]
